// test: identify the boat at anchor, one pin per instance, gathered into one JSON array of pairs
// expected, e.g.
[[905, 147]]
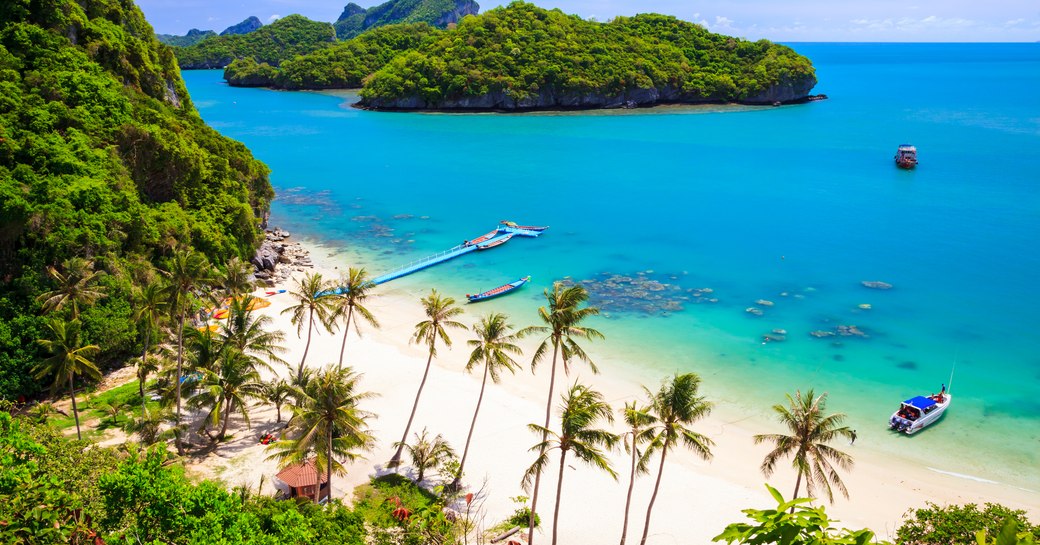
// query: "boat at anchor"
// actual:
[[501, 290], [919, 412], [906, 156], [493, 243], [534, 228]]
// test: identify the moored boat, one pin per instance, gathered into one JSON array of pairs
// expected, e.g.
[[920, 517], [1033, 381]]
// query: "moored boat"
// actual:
[[918, 412], [906, 156], [494, 243], [501, 290], [481, 238], [514, 225]]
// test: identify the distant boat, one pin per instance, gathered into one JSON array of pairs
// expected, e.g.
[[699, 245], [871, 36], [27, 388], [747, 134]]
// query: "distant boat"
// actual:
[[494, 243], [876, 285], [906, 156], [501, 290], [918, 412], [523, 227]]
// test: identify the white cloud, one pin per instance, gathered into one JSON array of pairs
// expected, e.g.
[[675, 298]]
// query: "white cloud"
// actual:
[[1014, 22], [273, 18]]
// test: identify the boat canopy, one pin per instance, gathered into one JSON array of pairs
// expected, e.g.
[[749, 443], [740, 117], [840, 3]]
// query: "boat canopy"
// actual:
[[920, 402]]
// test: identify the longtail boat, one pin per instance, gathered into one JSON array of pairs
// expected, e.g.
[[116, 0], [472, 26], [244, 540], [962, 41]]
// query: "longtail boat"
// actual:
[[501, 290], [482, 238], [493, 243], [514, 225]]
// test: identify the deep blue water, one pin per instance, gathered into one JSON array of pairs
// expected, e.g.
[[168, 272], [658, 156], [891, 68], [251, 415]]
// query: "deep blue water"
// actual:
[[752, 202]]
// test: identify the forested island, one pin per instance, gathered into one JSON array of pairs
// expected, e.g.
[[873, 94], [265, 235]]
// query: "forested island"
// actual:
[[522, 57], [106, 172]]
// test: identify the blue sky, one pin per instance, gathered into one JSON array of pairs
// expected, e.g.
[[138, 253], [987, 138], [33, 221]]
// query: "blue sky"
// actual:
[[785, 21]]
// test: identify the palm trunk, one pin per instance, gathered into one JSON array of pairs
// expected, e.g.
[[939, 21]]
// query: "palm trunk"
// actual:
[[559, 489], [180, 362], [75, 411], [797, 484], [396, 460], [140, 375], [465, 452], [278, 411], [538, 475], [657, 485], [328, 468], [631, 485], [227, 416], [346, 331], [307, 347]]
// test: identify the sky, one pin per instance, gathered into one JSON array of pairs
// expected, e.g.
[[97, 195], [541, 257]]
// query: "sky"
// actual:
[[777, 20]]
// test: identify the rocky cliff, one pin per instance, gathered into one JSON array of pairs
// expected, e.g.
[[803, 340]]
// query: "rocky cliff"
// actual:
[[245, 27], [440, 13]]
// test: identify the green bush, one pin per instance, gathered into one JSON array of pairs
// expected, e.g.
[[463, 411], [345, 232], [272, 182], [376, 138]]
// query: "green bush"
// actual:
[[959, 524]]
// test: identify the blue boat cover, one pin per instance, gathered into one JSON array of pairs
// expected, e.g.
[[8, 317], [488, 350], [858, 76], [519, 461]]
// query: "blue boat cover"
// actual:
[[920, 402]]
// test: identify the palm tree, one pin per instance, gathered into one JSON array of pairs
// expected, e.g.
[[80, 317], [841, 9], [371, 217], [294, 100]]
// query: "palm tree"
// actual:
[[562, 328], [355, 290], [237, 277], [426, 453], [250, 332], [227, 388], [69, 357], [187, 270], [638, 419], [113, 409], [811, 430], [440, 314], [74, 286], [151, 302], [492, 347], [311, 304], [328, 422], [582, 408], [277, 394], [676, 405]]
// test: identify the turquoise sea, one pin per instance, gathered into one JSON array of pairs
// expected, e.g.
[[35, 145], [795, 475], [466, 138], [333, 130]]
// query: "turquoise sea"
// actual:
[[754, 203]]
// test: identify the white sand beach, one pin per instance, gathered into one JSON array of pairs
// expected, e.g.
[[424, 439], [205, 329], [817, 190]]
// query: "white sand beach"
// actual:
[[697, 499]]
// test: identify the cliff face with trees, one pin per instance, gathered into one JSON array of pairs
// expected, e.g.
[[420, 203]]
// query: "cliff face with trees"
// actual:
[[439, 13], [104, 157], [283, 39], [525, 57]]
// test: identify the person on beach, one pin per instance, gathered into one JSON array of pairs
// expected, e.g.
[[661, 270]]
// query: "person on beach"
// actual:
[[853, 435]]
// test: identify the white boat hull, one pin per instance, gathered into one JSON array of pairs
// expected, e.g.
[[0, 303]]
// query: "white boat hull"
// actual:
[[911, 427]]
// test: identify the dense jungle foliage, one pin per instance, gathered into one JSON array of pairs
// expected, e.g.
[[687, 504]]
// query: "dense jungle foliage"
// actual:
[[522, 50], [342, 66], [356, 19], [193, 37], [283, 39], [103, 157]]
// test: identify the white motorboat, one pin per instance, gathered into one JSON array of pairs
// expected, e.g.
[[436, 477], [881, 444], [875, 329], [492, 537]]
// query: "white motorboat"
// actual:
[[918, 412]]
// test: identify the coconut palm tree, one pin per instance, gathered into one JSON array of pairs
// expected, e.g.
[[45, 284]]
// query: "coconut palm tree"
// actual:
[[638, 419], [426, 453], [328, 423], [492, 348], [675, 406], [811, 429], [151, 302], [563, 328], [311, 304], [186, 271], [251, 333], [69, 358], [355, 290], [227, 389], [440, 314], [277, 394], [75, 286], [237, 277], [582, 408]]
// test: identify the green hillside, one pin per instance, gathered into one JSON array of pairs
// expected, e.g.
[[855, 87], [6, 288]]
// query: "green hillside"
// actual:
[[104, 157], [283, 39], [525, 57], [438, 13]]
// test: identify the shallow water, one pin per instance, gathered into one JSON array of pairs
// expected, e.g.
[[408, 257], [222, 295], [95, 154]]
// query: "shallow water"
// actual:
[[753, 203]]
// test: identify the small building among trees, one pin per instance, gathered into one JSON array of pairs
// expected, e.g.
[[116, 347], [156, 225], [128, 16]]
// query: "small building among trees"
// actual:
[[303, 481]]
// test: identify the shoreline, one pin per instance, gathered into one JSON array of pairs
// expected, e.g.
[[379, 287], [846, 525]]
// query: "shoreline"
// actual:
[[881, 488]]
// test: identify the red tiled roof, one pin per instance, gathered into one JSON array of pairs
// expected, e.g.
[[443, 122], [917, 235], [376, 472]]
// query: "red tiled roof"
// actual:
[[298, 475]]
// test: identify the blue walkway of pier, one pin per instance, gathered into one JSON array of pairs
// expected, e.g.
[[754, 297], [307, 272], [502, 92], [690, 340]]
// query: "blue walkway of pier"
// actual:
[[429, 261]]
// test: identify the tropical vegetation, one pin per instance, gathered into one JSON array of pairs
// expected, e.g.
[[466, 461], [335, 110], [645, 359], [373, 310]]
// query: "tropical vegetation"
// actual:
[[439, 13], [283, 39], [105, 169]]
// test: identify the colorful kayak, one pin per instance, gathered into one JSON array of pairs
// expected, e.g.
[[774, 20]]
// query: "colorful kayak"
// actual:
[[501, 290], [274, 292], [221, 314], [257, 303], [212, 327], [514, 225], [494, 243]]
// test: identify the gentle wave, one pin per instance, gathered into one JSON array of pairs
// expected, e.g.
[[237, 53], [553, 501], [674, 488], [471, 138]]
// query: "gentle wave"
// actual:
[[963, 476]]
